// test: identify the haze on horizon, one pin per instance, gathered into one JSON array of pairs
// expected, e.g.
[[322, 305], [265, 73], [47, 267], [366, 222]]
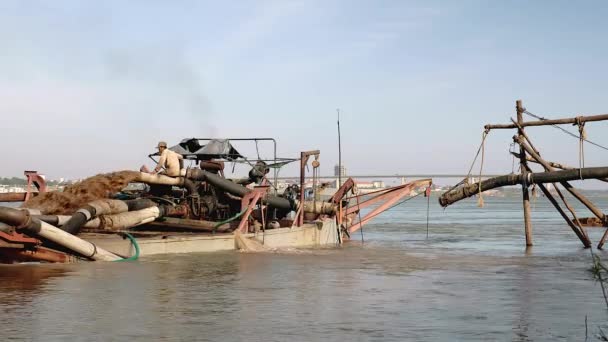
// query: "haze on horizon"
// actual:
[[89, 87]]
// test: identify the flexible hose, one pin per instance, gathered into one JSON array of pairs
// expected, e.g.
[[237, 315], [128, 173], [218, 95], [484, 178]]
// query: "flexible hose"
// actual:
[[228, 220], [135, 245]]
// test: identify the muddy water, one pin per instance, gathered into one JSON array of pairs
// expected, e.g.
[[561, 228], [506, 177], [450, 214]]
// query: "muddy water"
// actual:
[[472, 280]]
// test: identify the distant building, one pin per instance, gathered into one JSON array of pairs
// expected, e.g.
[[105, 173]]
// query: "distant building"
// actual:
[[340, 171]]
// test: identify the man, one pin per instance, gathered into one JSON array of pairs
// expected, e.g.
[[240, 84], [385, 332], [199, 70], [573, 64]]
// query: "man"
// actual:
[[169, 160]]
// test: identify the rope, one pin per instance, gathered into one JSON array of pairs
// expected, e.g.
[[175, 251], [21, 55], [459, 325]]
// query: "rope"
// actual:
[[485, 134], [566, 131], [483, 152], [428, 206], [135, 245], [512, 150], [581, 146], [360, 223], [257, 149]]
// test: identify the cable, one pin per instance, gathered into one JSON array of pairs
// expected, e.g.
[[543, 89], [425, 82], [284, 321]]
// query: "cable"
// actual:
[[428, 206], [566, 131]]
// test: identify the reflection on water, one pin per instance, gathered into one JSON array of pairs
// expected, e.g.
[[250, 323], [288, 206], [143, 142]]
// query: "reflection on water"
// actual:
[[472, 280]]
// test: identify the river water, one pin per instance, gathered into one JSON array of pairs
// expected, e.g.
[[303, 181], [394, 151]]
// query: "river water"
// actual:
[[471, 280]]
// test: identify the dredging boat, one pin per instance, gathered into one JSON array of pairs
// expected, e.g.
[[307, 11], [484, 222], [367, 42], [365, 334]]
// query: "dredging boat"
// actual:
[[128, 214]]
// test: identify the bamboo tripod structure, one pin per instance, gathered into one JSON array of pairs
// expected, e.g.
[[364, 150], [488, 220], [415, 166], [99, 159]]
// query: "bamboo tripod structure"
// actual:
[[554, 173]]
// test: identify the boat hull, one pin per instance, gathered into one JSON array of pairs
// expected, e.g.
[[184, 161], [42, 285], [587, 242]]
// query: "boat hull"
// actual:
[[309, 235]]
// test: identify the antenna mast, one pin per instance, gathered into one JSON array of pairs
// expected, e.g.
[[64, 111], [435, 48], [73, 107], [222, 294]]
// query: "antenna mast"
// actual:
[[339, 152]]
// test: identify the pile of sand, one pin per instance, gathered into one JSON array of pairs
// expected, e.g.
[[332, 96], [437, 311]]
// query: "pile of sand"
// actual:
[[79, 194]]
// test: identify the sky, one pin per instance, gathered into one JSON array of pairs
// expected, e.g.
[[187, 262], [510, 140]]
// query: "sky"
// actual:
[[92, 86]]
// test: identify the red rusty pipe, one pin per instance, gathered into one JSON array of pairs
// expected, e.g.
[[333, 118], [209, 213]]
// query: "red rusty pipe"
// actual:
[[13, 197], [39, 254]]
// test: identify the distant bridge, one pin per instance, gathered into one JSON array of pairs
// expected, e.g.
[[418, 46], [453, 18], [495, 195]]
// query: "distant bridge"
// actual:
[[413, 175]]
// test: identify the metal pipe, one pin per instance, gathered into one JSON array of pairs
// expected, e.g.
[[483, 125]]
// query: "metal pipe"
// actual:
[[92, 210], [101, 207], [32, 226], [13, 197], [126, 220], [235, 189]]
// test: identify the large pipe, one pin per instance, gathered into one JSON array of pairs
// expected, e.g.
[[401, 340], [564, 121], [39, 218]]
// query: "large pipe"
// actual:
[[13, 196], [126, 220], [235, 189], [468, 190], [226, 185], [149, 178], [102, 207], [166, 180], [32, 226], [91, 210]]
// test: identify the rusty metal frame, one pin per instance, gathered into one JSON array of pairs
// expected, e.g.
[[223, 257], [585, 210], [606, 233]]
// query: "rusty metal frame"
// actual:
[[248, 203], [33, 178], [37, 254], [342, 190], [18, 238], [304, 156], [388, 197]]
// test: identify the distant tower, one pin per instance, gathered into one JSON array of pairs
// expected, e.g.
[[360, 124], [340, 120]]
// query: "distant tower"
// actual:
[[339, 171]]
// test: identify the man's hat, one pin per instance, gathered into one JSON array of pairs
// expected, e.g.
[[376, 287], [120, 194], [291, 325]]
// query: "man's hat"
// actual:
[[162, 144]]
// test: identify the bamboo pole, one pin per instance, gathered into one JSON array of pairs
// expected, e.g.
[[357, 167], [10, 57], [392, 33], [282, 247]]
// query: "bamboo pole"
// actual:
[[468, 190], [574, 120], [584, 239], [575, 218], [533, 151], [524, 171], [557, 166], [564, 182], [602, 240]]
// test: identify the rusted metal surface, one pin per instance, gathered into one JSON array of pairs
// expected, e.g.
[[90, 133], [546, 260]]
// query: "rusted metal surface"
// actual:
[[37, 254], [342, 190], [13, 196], [304, 156], [33, 178], [388, 198], [15, 237], [380, 195], [248, 203]]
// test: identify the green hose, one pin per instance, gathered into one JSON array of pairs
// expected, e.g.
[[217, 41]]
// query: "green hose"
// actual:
[[135, 245], [228, 220]]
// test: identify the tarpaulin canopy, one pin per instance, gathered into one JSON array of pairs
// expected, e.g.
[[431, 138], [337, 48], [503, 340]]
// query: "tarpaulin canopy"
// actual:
[[214, 149]]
